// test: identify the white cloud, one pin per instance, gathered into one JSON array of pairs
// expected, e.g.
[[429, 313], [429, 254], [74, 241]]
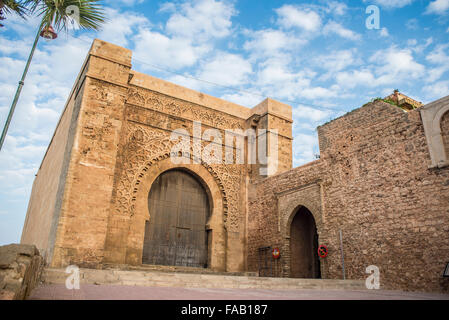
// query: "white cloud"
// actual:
[[167, 7], [412, 24], [413, 44], [305, 146], [270, 43], [9, 70], [440, 59], [129, 2], [276, 78], [121, 26], [312, 114], [333, 27], [16, 24], [125, 2], [384, 32], [202, 20], [267, 41], [439, 56], [317, 93], [352, 79], [336, 61], [172, 53], [292, 16], [437, 90], [188, 81], [274, 71], [437, 7], [226, 69], [245, 99], [337, 8], [391, 3], [187, 36], [395, 64], [386, 68], [10, 47]]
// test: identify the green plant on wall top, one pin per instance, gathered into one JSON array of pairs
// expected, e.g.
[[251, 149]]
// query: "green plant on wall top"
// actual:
[[394, 103]]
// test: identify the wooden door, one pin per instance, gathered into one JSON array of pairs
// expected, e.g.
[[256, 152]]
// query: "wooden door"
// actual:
[[176, 232]]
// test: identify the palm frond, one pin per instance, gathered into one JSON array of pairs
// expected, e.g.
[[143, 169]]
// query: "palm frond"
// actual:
[[10, 6], [57, 13]]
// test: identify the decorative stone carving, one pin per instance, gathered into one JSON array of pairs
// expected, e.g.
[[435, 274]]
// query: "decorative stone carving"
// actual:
[[146, 146], [308, 196], [187, 110]]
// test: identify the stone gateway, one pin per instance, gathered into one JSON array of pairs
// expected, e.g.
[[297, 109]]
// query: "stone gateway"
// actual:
[[107, 191], [175, 233]]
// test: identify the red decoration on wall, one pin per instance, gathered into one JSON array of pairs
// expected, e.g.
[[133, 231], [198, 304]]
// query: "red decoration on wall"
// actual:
[[276, 253], [322, 251]]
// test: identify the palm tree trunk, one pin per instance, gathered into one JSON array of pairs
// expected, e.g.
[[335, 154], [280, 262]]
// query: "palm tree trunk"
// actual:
[[19, 89]]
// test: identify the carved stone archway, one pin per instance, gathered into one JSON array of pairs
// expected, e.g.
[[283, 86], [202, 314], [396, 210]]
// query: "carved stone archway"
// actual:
[[140, 211], [304, 260], [308, 196]]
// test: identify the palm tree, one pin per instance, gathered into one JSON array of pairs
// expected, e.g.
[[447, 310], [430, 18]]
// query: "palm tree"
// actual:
[[56, 14], [8, 6], [60, 14]]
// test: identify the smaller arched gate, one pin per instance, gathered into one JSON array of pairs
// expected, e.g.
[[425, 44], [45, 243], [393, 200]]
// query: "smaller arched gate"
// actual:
[[304, 261]]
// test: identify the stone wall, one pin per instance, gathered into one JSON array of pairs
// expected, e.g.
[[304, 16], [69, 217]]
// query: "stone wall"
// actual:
[[85, 209], [377, 188], [20, 270], [48, 187], [271, 203]]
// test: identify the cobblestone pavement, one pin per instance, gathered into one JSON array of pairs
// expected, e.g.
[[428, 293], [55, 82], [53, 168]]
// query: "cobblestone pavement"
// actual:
[[115, 292]]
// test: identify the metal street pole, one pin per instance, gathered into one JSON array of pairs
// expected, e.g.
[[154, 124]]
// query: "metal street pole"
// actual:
[[19, 89]]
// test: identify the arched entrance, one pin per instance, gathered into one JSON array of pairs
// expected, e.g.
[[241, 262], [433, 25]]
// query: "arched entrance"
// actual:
[[305, 262], [176, 232]]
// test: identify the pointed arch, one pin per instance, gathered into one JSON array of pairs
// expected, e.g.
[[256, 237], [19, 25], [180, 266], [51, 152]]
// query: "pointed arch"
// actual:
[[140, 211]]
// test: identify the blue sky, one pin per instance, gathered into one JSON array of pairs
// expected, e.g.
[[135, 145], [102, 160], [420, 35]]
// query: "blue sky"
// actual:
[[317, 56]]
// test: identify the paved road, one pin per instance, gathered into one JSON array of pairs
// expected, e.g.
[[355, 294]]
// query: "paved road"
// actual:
[[113, 292]]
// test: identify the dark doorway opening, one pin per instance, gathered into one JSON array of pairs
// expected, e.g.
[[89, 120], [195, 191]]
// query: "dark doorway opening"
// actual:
[[304, 262], [176, 232]]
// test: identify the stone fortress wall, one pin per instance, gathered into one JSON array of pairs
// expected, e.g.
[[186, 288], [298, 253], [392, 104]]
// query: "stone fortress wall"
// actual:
[[378, 180], [374, 182], [113, 141]]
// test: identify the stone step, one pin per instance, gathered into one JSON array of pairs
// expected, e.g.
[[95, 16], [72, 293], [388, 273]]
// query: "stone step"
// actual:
[[195, 280], [149, 267]]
